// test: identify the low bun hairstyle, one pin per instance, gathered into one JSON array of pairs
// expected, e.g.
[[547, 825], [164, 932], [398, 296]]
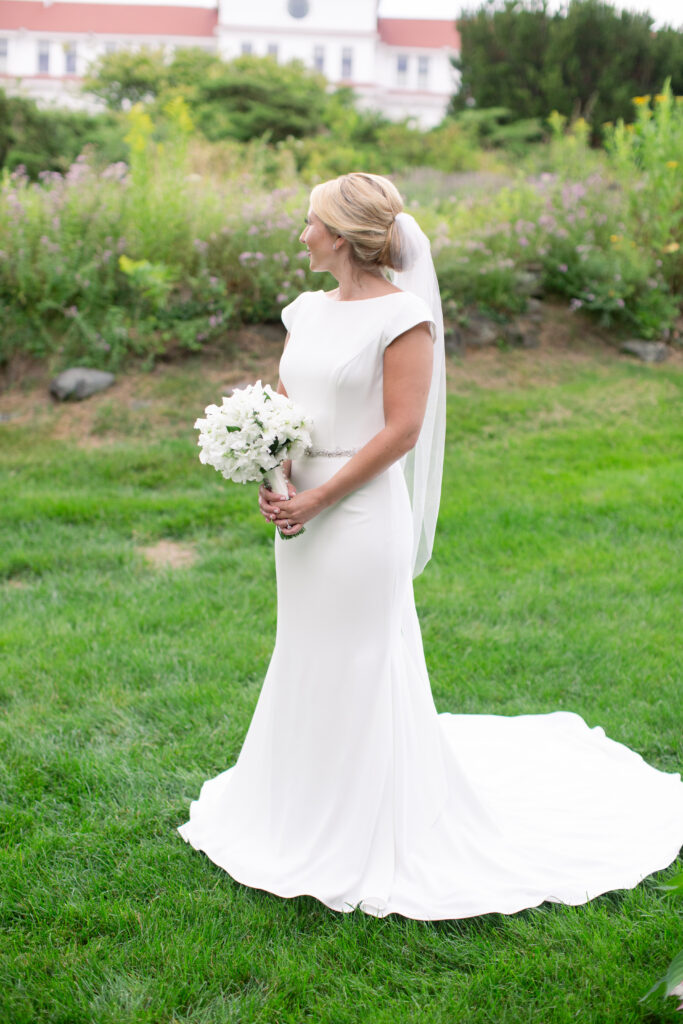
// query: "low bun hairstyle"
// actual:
[[362, 209]]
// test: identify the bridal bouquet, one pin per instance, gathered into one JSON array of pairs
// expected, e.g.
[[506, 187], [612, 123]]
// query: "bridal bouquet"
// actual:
[[250, 435]]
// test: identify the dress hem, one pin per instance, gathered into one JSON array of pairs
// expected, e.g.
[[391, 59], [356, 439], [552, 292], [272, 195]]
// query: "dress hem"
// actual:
[[349, 907]]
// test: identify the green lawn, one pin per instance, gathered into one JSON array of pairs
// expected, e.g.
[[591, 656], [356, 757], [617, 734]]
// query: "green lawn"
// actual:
[[555, 584]]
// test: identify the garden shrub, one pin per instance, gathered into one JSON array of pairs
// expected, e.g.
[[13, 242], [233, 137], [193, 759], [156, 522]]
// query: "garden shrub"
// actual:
[[41, 140], [167, 251]]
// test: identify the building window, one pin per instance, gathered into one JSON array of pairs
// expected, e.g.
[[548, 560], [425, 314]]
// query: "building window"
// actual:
[[4, 50], [298, 8], [70, 58], [246, 49], [402, 69], [43, 56], [347, 63], [272, 50], [423, 72], [319, 58]]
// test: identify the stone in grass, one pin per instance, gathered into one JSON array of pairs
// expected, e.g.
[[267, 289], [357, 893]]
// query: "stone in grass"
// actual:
[[648, 351], [79, 382]]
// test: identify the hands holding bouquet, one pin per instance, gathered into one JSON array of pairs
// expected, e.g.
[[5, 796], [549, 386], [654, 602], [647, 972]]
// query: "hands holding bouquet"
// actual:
[[289, 516], [249, 437]]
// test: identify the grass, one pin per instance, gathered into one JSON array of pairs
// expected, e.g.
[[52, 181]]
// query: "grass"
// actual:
[[124, 685]]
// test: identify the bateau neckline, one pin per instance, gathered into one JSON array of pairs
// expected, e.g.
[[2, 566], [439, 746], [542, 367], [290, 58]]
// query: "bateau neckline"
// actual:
[[350, 302]]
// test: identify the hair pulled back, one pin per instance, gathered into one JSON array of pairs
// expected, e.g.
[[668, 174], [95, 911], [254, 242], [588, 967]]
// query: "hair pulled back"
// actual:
[[362, 209]]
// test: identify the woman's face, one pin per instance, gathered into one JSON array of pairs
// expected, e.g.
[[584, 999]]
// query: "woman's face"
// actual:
[[320, 244]]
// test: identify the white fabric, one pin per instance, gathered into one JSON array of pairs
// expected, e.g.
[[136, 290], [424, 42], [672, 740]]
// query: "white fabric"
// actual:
[[349, 786], [423, 466]]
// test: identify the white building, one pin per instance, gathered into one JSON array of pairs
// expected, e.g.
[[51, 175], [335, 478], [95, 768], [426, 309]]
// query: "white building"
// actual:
[[399, 66]]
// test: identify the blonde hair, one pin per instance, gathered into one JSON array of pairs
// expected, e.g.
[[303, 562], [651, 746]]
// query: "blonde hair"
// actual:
[[362, 208]]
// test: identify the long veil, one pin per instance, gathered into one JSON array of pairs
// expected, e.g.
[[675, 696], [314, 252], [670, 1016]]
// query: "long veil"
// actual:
[[423, 466]]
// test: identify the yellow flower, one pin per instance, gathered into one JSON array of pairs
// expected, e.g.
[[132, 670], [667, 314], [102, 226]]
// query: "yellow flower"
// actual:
[[615, 238], [672, 163], [671, 247], [641, 100], [660, 97], [629, 128]]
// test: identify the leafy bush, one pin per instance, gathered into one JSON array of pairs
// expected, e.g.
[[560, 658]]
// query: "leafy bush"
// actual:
[[40, 140], [602, 229], [322, 130], [647, 158], [586, 60], [141, 259], [166, 251]]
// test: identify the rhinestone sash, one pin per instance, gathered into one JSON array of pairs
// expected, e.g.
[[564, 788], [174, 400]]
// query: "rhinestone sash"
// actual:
[[330, 453]]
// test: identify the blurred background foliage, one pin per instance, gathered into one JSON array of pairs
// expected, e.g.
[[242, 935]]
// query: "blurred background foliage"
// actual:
[[157, 225], [586, 61]]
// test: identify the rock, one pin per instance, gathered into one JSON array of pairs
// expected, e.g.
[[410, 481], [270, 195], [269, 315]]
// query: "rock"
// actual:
[[535, 310], [523, 331], [453, 340], [79, 382], [648, 351], [530, 281], [479, 331]]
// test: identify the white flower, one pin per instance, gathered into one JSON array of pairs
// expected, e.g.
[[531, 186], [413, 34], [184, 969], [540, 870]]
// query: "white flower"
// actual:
[[252, 431]]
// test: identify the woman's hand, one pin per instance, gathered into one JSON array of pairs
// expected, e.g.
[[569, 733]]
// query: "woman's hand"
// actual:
[[289, 516], [269, 501], [266, 498]]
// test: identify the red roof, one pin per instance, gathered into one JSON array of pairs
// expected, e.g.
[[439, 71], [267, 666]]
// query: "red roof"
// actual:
[[430, 34], [108, 19]]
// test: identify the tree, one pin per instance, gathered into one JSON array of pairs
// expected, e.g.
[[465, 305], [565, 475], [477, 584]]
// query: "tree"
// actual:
[[251, 97], [588, 61], [502, 57], [245, 98], [127, 77], [668, 47], [597, 59]]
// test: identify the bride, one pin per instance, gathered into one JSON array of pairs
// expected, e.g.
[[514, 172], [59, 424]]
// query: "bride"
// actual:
[[350, 787]]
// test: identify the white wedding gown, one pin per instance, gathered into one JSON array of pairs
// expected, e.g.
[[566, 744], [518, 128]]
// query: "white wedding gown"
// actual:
[[349, 786]]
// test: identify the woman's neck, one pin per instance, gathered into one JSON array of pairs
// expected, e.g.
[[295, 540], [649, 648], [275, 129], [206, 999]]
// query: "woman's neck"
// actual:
[[354, 285]]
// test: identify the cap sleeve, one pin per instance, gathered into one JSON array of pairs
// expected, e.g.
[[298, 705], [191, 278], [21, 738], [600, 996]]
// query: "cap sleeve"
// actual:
[[289, 312], [411, 310]]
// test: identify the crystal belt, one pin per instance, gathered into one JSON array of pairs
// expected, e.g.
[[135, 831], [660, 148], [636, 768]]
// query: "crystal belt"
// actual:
[[330, 453]]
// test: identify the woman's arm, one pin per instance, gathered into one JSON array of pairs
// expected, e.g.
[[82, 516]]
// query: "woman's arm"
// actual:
[[408, 364]]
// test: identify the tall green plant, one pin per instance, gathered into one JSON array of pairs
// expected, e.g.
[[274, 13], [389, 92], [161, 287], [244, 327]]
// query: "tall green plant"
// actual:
[[647, 157], [672, 979], [160, 229]]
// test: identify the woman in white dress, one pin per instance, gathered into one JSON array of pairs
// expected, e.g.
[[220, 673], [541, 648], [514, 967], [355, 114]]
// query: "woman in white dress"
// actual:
[[350, 787]]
